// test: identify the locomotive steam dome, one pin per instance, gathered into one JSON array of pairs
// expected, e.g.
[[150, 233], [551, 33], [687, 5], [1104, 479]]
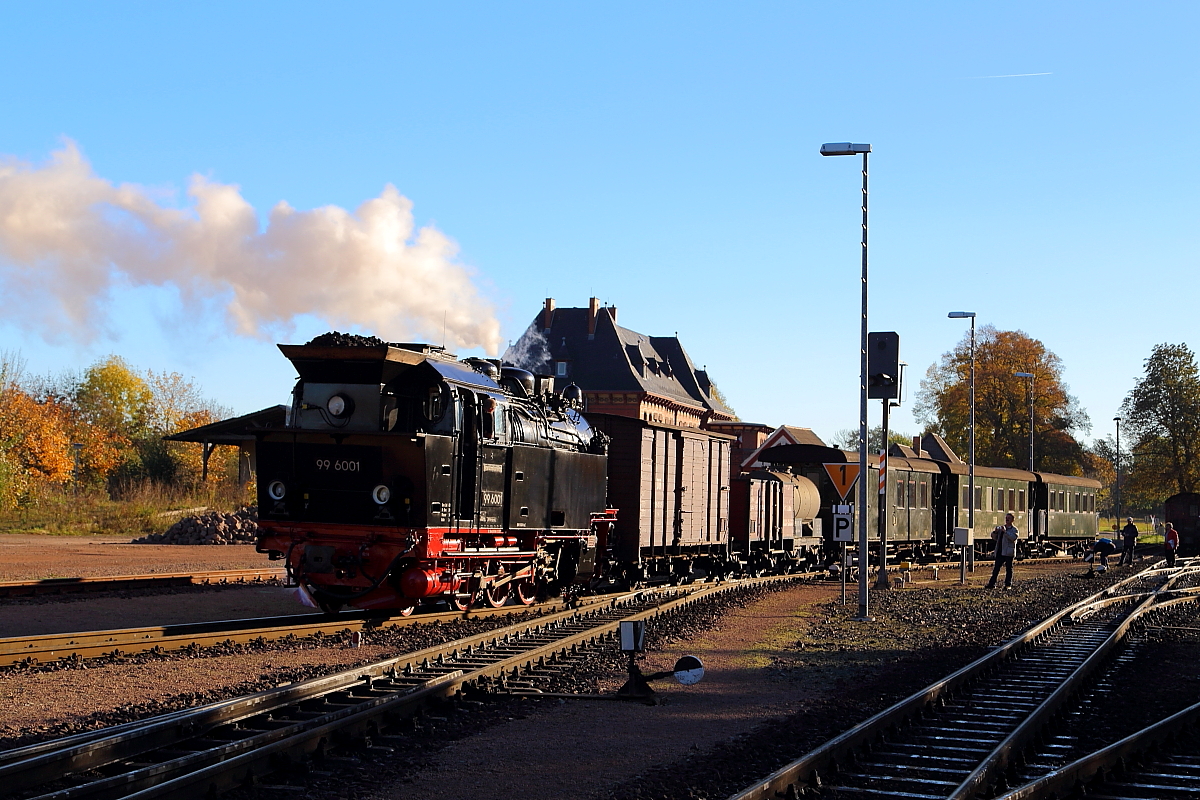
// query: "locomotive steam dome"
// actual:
[[518, 381]]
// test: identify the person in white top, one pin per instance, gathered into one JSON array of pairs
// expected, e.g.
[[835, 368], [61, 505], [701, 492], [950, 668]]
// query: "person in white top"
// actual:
[[1005, 536]]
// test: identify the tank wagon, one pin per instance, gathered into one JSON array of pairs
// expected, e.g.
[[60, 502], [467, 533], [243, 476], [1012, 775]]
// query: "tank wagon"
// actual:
[[403, 475]]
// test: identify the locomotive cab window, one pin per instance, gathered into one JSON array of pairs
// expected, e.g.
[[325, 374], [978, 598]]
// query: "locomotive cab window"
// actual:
[[435, 404]]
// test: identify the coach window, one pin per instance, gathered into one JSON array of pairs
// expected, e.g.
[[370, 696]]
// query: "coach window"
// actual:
[[924, 494], [901, 500], [1021, 498], [966, 496], [979, 498], [1077, 507]]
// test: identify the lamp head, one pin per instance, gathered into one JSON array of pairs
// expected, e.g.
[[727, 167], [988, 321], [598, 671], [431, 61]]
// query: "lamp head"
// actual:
[[1116, 419], [961, 315], [844, 149]]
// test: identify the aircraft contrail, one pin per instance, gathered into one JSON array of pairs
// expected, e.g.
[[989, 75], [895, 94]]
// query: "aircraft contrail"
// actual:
[[1021, 75]]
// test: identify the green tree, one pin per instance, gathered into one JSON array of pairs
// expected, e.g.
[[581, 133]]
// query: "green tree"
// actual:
[[1002, 417], [847, 439], [1162, 415]]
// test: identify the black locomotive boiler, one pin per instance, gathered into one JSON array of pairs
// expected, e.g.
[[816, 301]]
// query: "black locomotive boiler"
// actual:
[[403, 475]]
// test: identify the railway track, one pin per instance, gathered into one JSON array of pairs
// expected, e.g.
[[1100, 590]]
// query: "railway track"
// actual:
[[966, 735], [46, 648], [213, 748], [1159, 762], [110, 583]]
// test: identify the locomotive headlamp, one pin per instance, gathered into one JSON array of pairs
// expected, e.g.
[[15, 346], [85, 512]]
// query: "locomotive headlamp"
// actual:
[[277, 490], [381, 494], [339, 406]]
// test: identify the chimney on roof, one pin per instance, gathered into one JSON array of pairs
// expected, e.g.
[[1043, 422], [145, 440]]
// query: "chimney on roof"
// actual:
[[917, 445], [593, 310], [612, 312], [548, 314]]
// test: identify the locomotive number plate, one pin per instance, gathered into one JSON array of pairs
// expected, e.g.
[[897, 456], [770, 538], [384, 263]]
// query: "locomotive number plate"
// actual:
[[338, 466]]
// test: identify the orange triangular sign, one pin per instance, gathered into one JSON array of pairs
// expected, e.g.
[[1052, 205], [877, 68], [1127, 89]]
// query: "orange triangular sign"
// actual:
[[843, 477]]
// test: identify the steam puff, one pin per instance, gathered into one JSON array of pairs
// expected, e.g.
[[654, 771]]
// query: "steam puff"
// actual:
[[67, 236]]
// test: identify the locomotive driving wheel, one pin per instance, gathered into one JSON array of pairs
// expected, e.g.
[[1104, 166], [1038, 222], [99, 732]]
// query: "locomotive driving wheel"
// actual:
[[496, 596], [527, 591], [461, 599]]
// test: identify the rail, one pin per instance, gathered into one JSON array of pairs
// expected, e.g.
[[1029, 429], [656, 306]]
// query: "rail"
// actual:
[[107, 583]]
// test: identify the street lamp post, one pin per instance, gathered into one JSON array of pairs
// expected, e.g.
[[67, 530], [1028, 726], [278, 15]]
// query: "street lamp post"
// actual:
[[962, 570], [1118, 421], [851, 149], [1031, 419]]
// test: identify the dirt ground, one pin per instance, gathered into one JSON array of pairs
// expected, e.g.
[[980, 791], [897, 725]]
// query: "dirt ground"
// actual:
[[28, 557]]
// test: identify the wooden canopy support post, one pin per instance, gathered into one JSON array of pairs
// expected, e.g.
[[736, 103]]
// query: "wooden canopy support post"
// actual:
[[207, 451]]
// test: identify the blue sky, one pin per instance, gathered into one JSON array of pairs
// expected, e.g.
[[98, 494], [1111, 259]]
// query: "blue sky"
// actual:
[[662, 157]]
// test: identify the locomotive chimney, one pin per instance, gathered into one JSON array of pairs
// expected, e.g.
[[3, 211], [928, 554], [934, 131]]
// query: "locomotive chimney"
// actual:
[[548, 314], [593, 310]]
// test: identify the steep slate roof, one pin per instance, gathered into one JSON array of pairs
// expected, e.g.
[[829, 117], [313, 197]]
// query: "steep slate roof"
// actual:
[[618, 359]]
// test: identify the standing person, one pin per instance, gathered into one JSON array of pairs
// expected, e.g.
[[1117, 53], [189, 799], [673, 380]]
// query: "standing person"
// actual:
[[1171, 543], [1005, 537], [1130, 534]]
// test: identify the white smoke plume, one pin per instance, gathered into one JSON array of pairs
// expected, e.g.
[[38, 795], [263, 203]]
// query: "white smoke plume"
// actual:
[[68, 237], [531, 351]]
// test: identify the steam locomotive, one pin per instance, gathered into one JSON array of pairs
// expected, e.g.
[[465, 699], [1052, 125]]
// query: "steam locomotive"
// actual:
[[403, 475]]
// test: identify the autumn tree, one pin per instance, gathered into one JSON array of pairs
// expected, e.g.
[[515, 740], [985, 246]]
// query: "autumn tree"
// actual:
[[1162, 415], [1002, 417]]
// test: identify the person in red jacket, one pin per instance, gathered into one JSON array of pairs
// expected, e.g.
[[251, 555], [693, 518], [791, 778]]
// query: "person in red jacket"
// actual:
[[1171, 543]]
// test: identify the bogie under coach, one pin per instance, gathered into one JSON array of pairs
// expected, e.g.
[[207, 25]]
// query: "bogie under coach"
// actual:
[[403, 475]]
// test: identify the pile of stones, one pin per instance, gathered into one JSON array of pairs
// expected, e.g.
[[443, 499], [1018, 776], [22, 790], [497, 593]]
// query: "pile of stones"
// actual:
[[211, 527]]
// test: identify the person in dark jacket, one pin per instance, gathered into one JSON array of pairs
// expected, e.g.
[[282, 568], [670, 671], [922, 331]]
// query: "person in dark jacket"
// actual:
[[1099, 552], [1130, 536]]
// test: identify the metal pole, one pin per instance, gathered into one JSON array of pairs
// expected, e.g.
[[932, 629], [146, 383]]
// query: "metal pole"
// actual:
[[971, 467], [1118, 421], [881, 500], [844, 570], [862, 422], [1032, 420]]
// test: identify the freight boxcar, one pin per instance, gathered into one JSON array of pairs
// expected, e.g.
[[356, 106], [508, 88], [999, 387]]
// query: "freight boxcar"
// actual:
[[670, 486]]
